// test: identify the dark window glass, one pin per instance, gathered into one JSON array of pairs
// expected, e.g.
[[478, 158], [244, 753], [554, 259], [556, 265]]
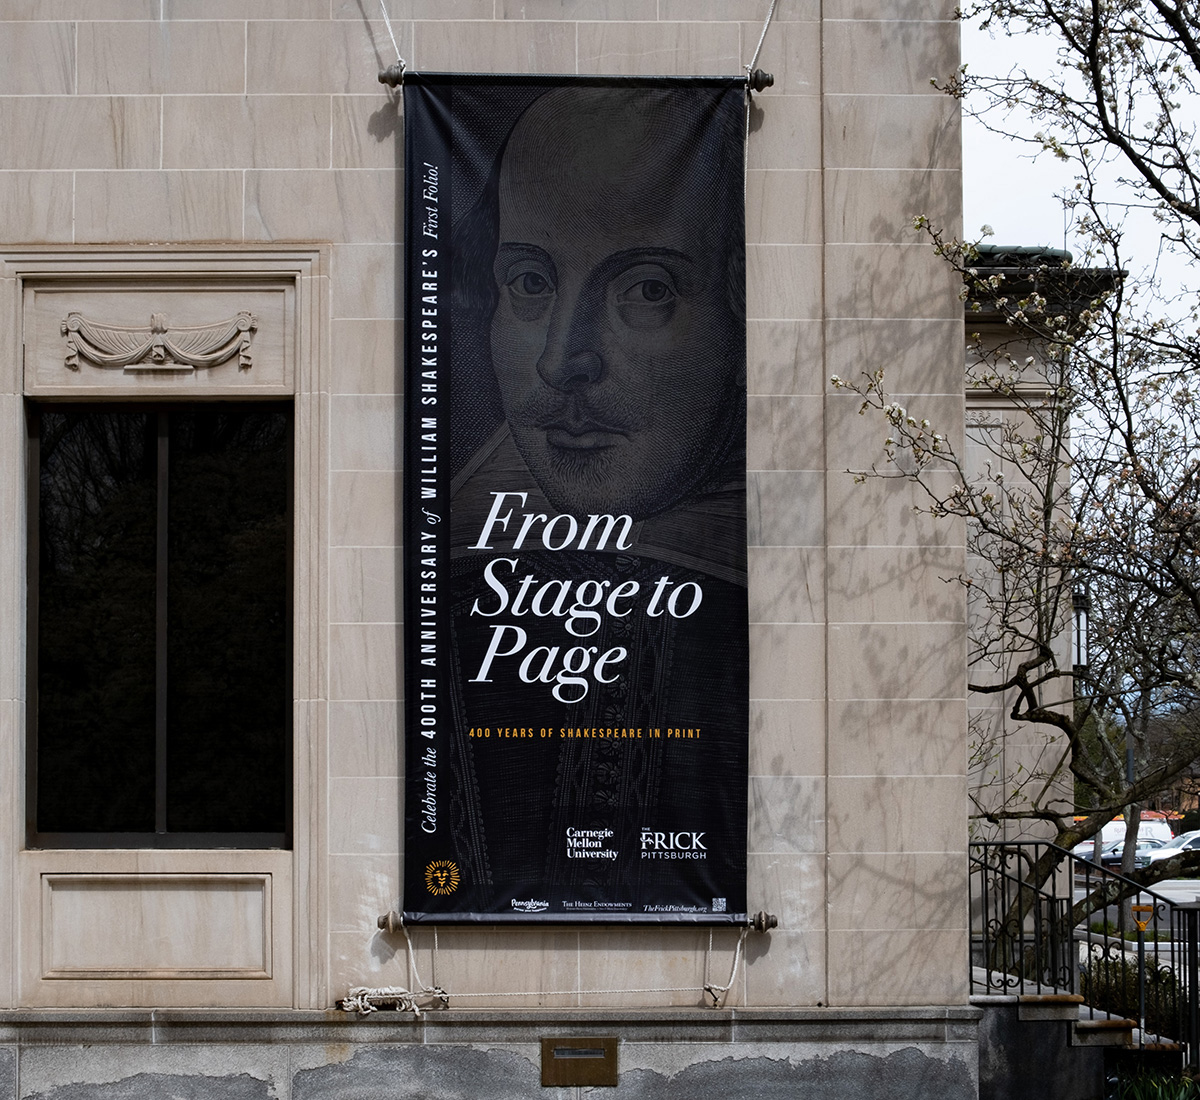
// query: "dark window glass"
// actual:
[[96, 609], [161, 606]]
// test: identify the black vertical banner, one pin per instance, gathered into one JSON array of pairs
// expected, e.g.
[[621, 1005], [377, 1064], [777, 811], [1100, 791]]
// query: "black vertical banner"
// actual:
[[575, 624]]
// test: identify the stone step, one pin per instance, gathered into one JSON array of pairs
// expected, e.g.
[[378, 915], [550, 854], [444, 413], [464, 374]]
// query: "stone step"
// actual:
[[1156, 1045], [1104, 1031], [1048, 1006]]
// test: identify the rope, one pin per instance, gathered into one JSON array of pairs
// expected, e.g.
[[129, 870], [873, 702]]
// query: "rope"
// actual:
[[749, 70], [717, 992], [757, 49], [392, 35], [364, 1000], [587, 992]]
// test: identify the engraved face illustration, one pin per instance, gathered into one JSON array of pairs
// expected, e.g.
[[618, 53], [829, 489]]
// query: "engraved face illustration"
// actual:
[[616, 341]]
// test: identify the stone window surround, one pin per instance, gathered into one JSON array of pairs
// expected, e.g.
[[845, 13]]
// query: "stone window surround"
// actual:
[[45, 893]]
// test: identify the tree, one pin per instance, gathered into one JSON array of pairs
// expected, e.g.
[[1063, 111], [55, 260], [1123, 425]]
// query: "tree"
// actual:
[[1081, 474]]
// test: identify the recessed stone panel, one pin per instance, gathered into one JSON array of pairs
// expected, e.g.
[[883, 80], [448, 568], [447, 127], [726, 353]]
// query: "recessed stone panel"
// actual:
[[156, 926], [165, 336]]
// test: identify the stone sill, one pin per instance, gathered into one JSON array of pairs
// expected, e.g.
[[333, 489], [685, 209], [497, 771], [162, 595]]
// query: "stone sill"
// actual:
[[908, 1024]]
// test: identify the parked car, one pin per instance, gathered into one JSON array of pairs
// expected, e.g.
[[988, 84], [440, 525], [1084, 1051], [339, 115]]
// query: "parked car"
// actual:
[[1153, 827], [1086, 850], [1184, 842], [1113, 854]]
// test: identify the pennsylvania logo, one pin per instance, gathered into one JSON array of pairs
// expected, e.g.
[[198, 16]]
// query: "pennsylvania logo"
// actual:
[[442, 877], [530, 905]]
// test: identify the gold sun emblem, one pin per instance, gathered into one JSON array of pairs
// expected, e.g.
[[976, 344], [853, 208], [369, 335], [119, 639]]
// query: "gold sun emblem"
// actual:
[[441, 877]]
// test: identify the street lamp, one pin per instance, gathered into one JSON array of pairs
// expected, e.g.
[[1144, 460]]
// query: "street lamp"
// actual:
[[1081, 602]]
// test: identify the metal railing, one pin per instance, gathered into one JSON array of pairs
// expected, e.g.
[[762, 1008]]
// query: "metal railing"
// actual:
[[1131, 953]]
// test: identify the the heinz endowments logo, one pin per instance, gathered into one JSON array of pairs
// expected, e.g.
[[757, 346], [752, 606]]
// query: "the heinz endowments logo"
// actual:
[[680, 845]]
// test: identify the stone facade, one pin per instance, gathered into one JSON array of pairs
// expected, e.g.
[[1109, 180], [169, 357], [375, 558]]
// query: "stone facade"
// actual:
[[230, 142]]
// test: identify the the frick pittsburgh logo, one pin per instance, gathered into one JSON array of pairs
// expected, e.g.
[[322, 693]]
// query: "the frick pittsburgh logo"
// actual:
[[442, 877], [671, 842]]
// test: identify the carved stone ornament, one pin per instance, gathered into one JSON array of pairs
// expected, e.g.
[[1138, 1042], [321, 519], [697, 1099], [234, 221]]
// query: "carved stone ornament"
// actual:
[[157, 347]]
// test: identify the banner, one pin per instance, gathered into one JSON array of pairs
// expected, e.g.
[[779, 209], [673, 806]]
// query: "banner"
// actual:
[[576, 671]]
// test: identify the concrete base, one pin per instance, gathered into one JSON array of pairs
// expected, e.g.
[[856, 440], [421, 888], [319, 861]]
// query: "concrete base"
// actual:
[[1034, 1059], [894, 1054]]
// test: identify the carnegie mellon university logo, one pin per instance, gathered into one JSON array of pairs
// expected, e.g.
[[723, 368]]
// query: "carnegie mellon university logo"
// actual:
[[442, 877]]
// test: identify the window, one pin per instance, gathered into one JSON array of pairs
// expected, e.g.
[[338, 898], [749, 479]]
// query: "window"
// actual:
[[160, 656]]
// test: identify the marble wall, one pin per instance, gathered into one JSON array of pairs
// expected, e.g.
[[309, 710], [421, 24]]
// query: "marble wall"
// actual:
[[257, 124]]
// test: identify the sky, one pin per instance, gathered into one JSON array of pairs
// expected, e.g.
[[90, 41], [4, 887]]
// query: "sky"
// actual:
[[1018, 196], [1002, 186]]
